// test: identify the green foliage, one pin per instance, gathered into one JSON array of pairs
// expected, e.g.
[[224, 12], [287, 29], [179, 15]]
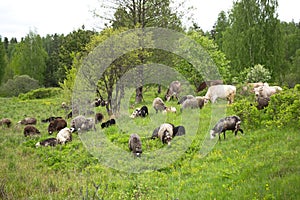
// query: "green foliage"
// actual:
[[284, 107], [258, 74], [41, 93], [29, 57], [3, 60], [68, 83], [70, 171], [283, 110], [254, 36], [18, 85]]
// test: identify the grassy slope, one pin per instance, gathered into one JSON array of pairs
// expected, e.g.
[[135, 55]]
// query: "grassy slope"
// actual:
[[262, 164]]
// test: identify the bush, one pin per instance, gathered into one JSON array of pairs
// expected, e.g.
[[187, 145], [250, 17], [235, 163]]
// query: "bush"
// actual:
[[258, 74], [41, 93], [17, 85], [283, 110]]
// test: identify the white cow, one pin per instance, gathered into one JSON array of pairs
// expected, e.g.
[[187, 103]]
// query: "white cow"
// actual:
[[221, 91]]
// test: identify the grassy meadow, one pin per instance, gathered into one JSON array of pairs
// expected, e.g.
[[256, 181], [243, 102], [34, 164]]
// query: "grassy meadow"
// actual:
[[264, 163]]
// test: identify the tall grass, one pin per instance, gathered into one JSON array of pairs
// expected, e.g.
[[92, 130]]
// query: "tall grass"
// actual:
[[261, 164]]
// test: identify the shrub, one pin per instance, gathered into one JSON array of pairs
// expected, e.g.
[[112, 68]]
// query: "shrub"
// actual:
[[41, 93], [258, 74], [283, 109], [17, 85]]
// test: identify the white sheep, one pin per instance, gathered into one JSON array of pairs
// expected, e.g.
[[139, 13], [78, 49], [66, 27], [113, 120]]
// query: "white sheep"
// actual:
[[64, 135]]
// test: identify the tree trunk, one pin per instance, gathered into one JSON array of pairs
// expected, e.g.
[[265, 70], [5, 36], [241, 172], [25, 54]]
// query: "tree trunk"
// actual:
[[159, 89], [139, 94]]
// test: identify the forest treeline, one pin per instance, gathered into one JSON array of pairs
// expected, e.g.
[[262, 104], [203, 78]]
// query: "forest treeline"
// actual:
[[247, 35]]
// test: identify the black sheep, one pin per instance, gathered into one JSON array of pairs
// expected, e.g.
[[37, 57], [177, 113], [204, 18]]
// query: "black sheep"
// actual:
[[98, 117], [143, 111], [108, 123], [47, 142], [50, 119], [178, 131], [228, 123]]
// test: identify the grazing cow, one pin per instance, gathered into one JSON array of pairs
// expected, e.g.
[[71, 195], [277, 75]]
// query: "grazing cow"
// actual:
[[6, 122], [30, 130], [64, 135], [108, 123], [193, 103], [140, 112], [50, 119], [165, 133], [98, 117], [182, 99], [28, 120], [173, 90], [158, 104], [135, 144], [228, 123], [56, 125], [221, 91], [47, 142], [205, 84]]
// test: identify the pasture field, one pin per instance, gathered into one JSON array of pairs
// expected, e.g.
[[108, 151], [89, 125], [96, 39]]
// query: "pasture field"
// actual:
[[264, 163]]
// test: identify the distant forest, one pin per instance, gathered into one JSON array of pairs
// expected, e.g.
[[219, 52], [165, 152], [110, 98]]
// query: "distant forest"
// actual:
[[248, 35]]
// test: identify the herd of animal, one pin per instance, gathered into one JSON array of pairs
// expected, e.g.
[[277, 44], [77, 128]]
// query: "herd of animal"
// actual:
[[166, 131]]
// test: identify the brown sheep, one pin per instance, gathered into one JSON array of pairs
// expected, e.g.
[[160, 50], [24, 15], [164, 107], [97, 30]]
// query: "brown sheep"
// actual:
[[135, 145], [28, 120], [5, 121], [30, 130], [56, 125]]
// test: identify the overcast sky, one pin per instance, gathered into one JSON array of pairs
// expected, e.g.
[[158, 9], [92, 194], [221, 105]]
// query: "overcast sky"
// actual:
[[18, 17]]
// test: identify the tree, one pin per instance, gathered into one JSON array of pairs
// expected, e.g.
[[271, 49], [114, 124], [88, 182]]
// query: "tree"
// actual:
[[52, 45], [141, 14], [219, 28], [71, 44], [3, 60], [254, 36], [17, 85], [29, 57]]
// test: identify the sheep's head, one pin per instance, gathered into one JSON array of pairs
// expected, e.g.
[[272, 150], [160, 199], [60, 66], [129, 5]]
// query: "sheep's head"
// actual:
[[212, 134], [135, 113], [167, 138]]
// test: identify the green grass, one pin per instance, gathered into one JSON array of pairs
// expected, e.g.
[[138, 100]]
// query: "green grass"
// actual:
[[261, 164]]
